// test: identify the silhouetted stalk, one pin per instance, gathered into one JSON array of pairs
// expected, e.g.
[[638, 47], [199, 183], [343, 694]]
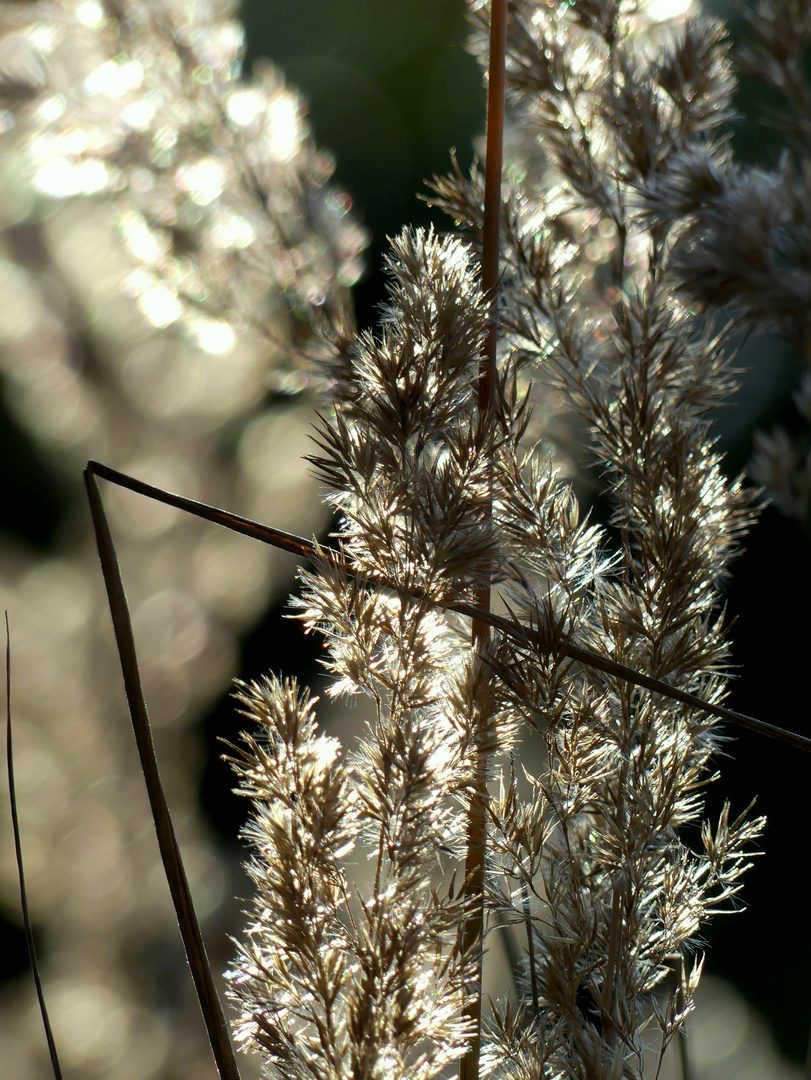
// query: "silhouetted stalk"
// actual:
[[176, 877], [526, 635], [477, 811], [18, 851]]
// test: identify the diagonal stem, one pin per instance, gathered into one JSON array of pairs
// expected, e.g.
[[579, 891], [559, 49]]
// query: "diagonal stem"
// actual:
[[527, 636]]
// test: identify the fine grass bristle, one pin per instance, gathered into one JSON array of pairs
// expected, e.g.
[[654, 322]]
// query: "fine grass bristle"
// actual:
[[18, 851]]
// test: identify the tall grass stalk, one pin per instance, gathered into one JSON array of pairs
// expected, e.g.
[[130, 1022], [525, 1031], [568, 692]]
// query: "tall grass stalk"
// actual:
[[488, 376]]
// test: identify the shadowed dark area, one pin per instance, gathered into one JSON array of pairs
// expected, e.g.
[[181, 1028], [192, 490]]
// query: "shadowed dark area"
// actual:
[[277, 644], [766, 950], [31, 503], [13, 948]]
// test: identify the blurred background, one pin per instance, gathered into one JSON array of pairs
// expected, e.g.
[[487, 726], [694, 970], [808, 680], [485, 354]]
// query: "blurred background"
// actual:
[[158, 308]]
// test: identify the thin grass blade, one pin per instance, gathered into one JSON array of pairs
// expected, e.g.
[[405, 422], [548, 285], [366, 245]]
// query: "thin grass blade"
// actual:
[[210, 1003], [527, 635], [18, 850]]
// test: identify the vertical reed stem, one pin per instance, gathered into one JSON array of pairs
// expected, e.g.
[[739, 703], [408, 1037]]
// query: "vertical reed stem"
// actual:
[[477, 812]]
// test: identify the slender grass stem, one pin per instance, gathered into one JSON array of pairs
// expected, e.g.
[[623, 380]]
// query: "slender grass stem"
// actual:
[[684, 1047], [477, 810], [18, 850], [526, 635], [207, 995]]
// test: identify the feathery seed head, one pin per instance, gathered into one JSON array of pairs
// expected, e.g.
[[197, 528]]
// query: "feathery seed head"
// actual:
[[585, 855]]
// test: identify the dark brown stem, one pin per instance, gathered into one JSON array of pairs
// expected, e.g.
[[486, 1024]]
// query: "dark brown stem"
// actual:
[[533, 974], [18, 850], [477, 808], [493, 168], [527, 636], [684, 1050], [207, 995]]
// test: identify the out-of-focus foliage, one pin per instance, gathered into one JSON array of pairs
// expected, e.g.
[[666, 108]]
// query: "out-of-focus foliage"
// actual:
[[744, 231], [168, 244], [390, 87]]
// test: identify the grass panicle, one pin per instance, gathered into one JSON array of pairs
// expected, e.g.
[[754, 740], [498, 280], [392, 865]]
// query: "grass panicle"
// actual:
[[437, 497]]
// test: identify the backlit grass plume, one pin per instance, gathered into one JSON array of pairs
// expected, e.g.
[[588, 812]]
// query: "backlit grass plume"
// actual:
[[587, 854], [372, 985], [593, 783]]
